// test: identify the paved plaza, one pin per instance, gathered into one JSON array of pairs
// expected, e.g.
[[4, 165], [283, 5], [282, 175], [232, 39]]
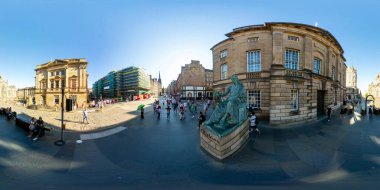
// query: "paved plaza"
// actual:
[[165, 154], [110, 115]]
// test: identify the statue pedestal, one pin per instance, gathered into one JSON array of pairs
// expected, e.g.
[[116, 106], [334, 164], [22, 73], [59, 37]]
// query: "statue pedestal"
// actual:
[[222, 147]]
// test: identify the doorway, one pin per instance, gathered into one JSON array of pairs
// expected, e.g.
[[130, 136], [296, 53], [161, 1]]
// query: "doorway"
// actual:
[[320, 102]]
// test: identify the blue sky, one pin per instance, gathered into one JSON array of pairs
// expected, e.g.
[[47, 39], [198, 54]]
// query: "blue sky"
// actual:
[[163, 35]]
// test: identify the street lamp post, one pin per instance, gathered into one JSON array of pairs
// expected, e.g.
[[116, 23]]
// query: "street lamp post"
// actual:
[[61, 142]]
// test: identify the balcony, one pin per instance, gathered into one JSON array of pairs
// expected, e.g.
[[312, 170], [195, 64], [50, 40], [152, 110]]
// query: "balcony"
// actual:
[[294, 73], [253, 75]]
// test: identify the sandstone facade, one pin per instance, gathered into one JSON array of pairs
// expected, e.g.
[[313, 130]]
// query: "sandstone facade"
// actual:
[[374, 90], [291, 72], [7, 92], [70, 74], [194, 81]]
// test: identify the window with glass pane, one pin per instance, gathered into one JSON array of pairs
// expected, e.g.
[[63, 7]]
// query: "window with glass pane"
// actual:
[[333, 73], [223, 71], [294, 99], [223, 54], [292, 59], [254, 98], [254, 61], [317, 66], [56, 99]]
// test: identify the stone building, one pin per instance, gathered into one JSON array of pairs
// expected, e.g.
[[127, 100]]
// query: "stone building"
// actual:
[[194, 81], [352, 91], [374, 90], [171, 89], [26, 95], [291, 72], [155, 86], [7, 92], [70, 74]]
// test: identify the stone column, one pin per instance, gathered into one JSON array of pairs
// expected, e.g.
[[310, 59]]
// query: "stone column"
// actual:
[[308, 53], [277, 47]]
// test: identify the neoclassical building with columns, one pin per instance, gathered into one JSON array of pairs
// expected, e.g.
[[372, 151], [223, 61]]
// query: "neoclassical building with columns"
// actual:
[[291, 72], [51, 77]]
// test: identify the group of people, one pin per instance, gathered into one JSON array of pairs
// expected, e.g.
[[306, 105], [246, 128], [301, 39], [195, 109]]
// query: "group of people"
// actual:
[[36, 128], [178, 107]]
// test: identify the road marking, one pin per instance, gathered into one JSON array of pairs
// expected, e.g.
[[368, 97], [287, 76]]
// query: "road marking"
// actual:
[[101, 134]]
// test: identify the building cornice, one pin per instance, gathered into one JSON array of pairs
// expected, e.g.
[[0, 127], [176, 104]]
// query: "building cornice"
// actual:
[[269, 25]]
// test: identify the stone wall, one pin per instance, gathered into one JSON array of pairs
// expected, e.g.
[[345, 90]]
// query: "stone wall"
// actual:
[[273, 80]]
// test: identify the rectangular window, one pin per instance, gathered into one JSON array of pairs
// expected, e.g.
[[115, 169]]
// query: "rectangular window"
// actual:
[[73, 84], [317, 66], [292, 59], [293, 38], [51, 73], [254, 61], [63, 83], [294, 99], [333, 73], [223, 71], [63, 72], [57, 84], [56, 99], [51, 84], [57, 73], [254, 98], [223, 54], [254, 39]]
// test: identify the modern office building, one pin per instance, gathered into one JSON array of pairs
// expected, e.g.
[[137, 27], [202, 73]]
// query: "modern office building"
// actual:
[[125, 83], [69, 74], [291, 72]]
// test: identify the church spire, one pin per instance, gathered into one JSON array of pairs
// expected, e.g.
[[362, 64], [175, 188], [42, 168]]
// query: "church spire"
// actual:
[[159, 77]]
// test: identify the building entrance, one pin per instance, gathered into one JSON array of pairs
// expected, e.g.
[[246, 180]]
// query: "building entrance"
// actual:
[[320, 102]]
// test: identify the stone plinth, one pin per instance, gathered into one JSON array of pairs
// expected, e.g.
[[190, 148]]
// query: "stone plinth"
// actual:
[[222, 147]]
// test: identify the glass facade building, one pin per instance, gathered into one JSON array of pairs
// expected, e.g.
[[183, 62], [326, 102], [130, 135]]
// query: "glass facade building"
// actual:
[[130, 81]]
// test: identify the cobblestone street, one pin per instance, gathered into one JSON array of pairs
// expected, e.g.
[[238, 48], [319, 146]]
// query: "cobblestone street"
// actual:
[[110, 115]]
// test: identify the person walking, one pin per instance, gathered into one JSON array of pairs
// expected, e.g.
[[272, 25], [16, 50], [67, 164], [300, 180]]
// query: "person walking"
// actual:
[[158, 112], [205, 107], [328, 113], [85, 115], [142, 113], [168, 112], [192, 110], [253, 123], [201, 119], [181, 113]]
